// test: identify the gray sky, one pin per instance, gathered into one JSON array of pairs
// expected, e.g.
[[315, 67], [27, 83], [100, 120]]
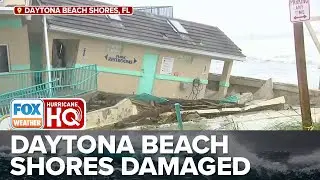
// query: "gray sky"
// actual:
[[235, 17]]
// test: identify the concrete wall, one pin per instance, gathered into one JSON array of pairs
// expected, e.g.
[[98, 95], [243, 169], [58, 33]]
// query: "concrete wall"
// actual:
[[18, 44], [96, 49], [111, 115], [19, 56], [244, 84]]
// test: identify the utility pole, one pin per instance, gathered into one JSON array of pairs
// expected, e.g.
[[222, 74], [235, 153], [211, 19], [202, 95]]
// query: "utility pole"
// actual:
[[302, 76]]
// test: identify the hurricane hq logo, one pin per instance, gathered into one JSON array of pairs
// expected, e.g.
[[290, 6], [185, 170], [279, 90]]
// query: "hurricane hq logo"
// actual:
[[58, 114], [66, 113]]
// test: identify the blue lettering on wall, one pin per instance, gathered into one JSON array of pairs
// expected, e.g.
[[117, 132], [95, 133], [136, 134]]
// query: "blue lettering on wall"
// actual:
[[120, 59]]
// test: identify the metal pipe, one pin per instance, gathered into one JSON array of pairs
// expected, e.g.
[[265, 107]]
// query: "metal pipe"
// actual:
[[178, 114], [47, 54]]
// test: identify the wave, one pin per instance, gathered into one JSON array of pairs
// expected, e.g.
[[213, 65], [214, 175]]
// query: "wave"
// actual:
[[285, 59]]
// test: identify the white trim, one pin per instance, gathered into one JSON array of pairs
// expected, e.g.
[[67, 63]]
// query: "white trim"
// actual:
[[8, 55], [313, 35], [216, 56], [28, 3], [6, 10]]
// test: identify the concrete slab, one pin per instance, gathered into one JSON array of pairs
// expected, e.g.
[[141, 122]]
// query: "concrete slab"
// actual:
[[111, 115], [4, 123], [265, 92], [245, 97], [261, 120], [265, 104]]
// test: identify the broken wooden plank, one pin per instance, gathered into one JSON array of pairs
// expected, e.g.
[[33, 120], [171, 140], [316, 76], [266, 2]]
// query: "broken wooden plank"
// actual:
[[215, 103], [272, 104], [231, 110], [203, 112]]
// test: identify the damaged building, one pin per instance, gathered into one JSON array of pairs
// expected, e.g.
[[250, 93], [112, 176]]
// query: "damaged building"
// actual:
[[140, 53]]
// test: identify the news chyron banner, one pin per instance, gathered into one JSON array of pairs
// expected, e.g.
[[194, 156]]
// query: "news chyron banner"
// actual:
[[157, 155], [47, 114], [73, 10]]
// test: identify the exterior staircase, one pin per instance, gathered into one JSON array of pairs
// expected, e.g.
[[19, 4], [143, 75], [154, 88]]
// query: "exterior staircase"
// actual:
[[65, 83]]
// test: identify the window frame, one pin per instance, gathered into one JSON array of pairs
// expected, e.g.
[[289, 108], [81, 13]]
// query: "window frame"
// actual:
[[173, 24]]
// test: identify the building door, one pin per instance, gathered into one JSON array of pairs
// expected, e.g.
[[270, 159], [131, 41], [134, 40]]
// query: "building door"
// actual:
[[149, 70], [4, 59]]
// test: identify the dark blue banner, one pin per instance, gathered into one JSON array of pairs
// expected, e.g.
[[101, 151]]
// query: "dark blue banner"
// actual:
[[160, 155]]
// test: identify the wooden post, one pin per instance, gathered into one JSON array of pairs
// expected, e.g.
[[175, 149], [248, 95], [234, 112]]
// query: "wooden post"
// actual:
[[302, 76], [224, 80]]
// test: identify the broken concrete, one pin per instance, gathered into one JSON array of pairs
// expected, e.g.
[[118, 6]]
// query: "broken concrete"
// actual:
[[111, 115], [192, 117], [100, 100], [265, 92], [274, 104], [4, 123], [158, 114], [245, 97], [261, 120]]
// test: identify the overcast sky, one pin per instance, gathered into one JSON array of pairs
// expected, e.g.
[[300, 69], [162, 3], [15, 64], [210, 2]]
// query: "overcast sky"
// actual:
[[235, 17]]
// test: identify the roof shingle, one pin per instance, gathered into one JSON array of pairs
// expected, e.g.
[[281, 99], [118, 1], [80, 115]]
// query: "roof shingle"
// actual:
[[145, 27]]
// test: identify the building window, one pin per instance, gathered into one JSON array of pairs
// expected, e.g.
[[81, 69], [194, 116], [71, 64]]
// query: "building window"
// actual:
[[4, 59], [177, 26]]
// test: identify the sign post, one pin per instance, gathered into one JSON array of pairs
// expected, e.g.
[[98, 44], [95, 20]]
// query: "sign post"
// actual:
[[299, 12]]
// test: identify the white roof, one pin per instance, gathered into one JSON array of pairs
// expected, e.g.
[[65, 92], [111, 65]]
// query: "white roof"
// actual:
[[6, 10]]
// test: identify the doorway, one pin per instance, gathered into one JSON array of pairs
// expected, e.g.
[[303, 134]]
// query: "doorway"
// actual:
[[4, 59], [64, 54], [149, 70]]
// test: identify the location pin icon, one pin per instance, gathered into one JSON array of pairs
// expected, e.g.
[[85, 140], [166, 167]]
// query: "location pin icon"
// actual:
[[19, 10]]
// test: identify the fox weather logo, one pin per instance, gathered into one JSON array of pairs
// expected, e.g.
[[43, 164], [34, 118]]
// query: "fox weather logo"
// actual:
[[27, 114]]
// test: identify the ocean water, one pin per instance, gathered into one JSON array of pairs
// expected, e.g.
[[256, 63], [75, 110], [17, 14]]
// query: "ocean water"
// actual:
[[274, 58]]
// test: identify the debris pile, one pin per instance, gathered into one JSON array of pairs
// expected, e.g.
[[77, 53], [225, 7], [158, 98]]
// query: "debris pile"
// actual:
[[102, 100], [153, 113], [152, 110]]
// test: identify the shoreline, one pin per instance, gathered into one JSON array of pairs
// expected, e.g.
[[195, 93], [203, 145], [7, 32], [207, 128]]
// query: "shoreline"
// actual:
[[279, 71]]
